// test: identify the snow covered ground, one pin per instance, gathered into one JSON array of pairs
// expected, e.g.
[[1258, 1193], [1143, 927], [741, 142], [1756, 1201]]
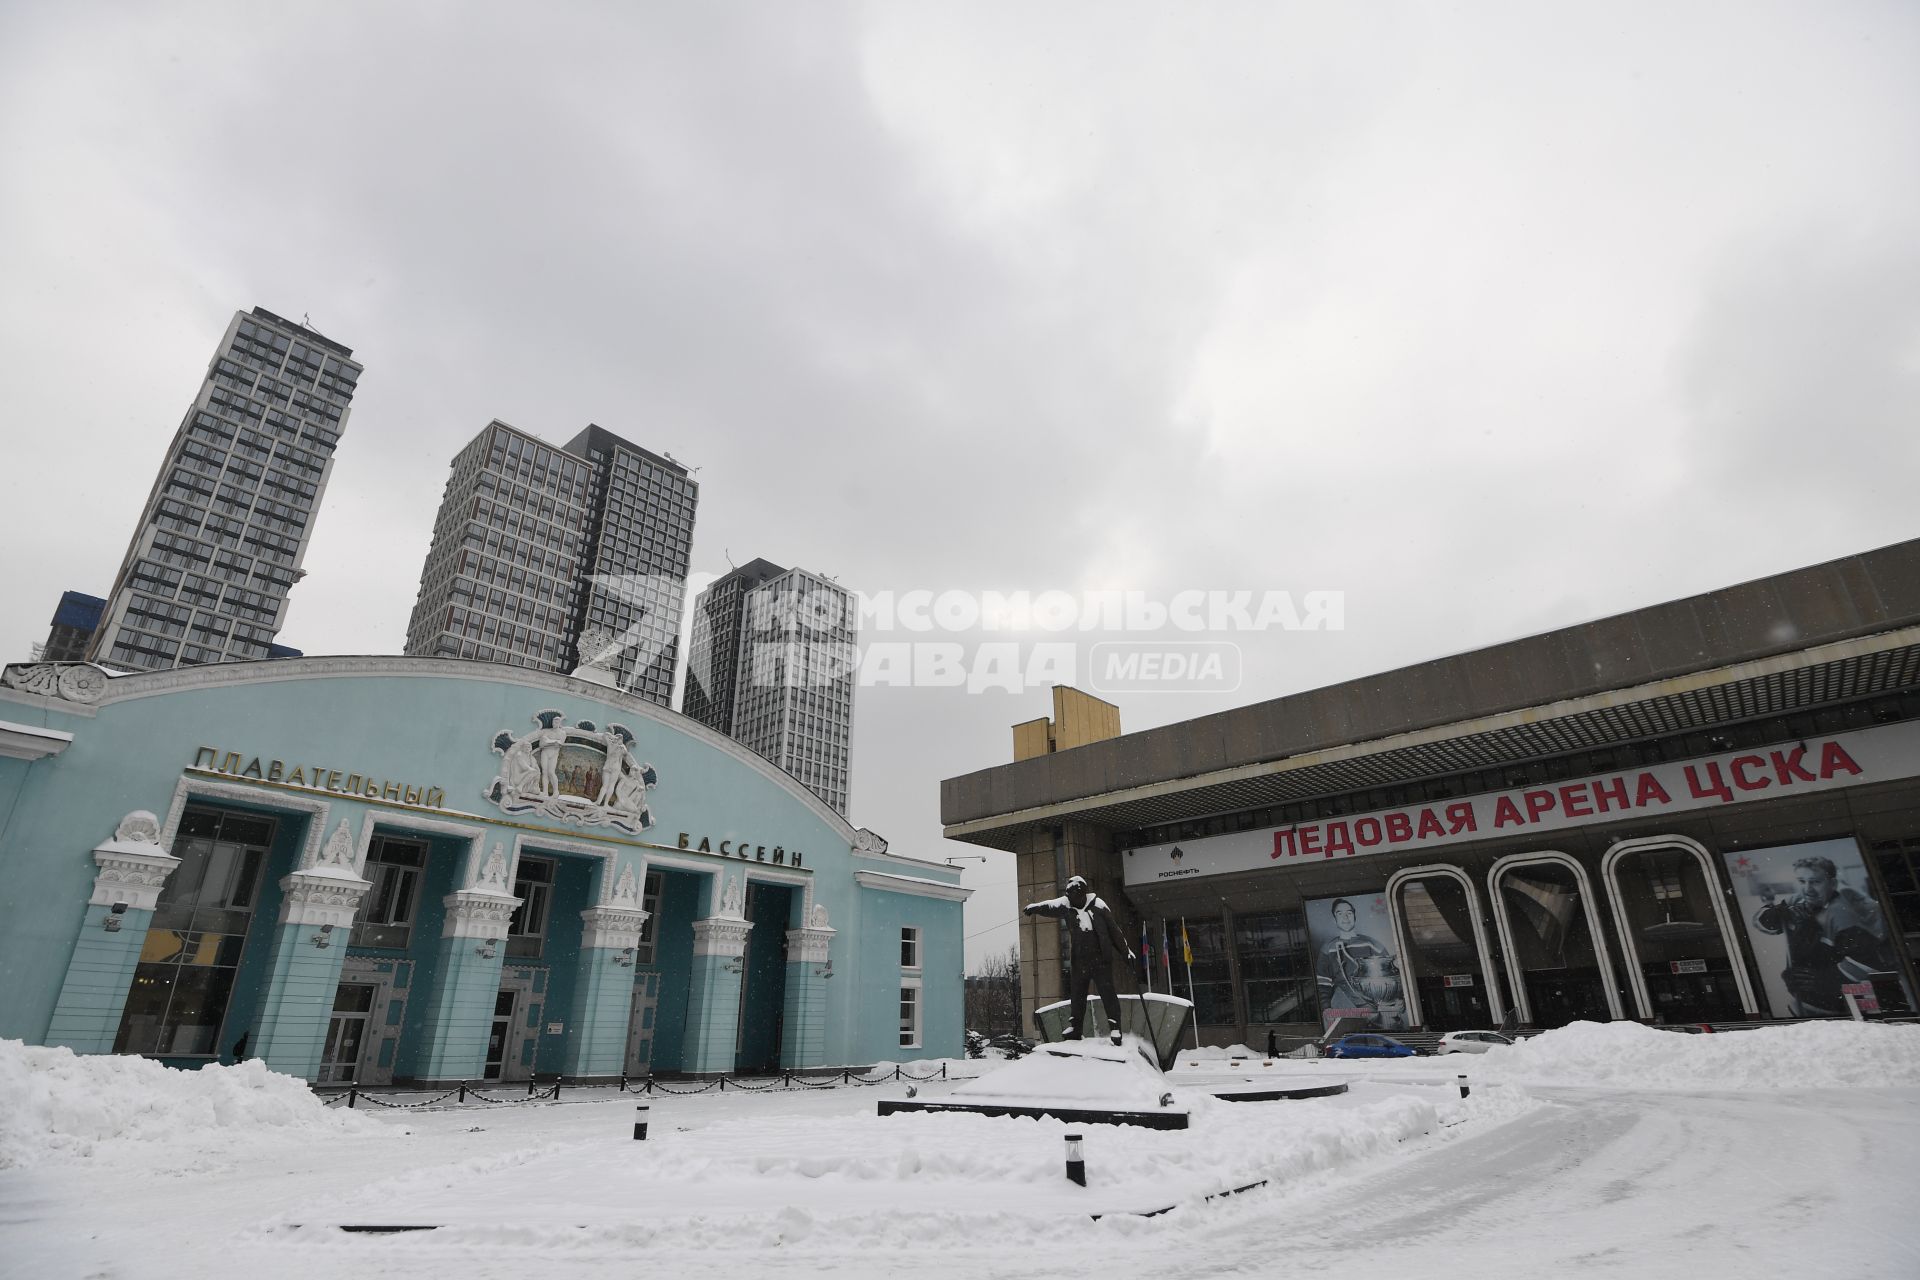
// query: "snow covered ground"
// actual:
[[1614, 1150]]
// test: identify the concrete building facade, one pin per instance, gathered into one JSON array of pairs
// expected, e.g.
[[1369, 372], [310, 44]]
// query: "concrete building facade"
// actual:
[[1701, 811]]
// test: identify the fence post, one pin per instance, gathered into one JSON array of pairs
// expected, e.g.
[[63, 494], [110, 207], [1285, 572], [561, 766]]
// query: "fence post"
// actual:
[[353, 1096], [943, 1071], [463, 1091], [531, 1081], [723, 1084]]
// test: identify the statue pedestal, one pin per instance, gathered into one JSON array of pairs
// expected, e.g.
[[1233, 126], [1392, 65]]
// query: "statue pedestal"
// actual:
[[1078, 1081]]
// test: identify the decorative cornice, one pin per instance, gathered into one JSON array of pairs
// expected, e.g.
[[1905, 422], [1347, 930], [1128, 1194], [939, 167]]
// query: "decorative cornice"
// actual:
[[721, 936], [132, 686], [473, 913], [911, 884], [319, 897], [613, 928], [31, 742]]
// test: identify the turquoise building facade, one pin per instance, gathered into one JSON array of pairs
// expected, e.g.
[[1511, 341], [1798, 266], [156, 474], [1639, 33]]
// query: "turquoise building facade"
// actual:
[[384, 870]]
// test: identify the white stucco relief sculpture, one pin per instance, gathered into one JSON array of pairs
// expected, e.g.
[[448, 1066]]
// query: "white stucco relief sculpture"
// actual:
[[74, 681], [819, 915], [732, 900], [337, 852], [493, 875], [626, 892], [138, 827], [573, 773]]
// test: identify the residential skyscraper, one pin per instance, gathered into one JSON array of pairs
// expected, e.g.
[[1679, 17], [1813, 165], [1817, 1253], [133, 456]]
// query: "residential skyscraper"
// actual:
[[536, 547], [773, 665], [225, 529]]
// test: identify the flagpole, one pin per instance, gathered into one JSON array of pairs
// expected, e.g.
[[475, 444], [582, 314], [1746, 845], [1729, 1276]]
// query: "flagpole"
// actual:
[[1186, 952], [1166, 954], [1146, 955]]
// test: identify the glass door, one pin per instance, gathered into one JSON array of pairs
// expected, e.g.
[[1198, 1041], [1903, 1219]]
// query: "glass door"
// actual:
[[499, 1035], [346, 1034]]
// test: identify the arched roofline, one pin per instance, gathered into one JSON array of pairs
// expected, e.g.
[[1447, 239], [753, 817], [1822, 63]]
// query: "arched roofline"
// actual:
[[134, 686]]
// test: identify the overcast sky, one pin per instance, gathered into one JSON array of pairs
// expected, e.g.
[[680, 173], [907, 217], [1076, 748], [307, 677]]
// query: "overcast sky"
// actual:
[[1496, 317]]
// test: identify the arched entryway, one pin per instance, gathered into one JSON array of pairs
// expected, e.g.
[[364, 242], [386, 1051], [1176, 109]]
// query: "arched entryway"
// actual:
[[1683, 961], [1557, 964], [1443, 949]]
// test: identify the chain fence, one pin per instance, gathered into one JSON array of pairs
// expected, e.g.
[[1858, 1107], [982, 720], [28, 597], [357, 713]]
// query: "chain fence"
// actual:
[[469, 1093]]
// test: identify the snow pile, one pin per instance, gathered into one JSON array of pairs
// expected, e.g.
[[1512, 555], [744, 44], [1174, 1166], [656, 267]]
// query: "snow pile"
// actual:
[[1213, 1053], [59, 1103], [1808, 1055], [922, 1181], [1078, 1074]]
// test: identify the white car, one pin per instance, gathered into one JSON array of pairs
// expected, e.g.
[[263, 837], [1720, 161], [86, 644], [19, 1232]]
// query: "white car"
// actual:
[[1470, 1041]]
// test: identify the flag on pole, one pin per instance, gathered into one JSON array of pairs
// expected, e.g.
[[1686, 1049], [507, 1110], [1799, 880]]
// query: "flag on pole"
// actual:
[[1166, 955], [1146, 955], [1186, 950]]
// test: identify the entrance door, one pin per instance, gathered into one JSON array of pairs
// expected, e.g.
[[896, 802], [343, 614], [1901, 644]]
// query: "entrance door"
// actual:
[[346, 1033], [499, 1036], [646, 1004]]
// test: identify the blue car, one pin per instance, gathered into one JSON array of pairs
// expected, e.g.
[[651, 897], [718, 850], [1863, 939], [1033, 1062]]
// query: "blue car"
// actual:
[[1367, 1045]]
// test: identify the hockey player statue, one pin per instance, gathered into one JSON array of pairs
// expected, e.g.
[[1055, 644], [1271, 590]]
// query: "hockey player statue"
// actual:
[[1094, 938]]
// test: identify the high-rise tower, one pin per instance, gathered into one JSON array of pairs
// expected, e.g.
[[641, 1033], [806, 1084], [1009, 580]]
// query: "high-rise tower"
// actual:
[[225, 529], [537, 546], [773, 667]]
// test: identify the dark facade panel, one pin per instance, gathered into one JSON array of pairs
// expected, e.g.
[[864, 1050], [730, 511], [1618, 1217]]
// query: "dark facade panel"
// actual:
[[1855, 596]]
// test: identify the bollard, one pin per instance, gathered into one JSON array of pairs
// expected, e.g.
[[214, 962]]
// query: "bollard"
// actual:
[[530, 1083], [1463, 1084], [1076, 1167], [353, 1096], [463, 1091], [640, 1113]]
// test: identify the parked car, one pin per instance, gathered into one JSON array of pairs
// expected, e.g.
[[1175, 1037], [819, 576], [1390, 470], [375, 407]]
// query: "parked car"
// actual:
[[1470, 1041], [1367, 1045]]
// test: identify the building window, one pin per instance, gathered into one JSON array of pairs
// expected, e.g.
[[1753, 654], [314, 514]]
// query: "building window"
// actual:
[[527, 931], [909, 948], [185, 974], [386, 918], [910, 1015], [649, 903]]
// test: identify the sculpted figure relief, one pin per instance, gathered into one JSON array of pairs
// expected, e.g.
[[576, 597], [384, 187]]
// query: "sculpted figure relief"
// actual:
[[574, 773]]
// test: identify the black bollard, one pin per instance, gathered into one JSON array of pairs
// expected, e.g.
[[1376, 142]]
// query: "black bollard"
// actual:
[[640, 1112], [1463, 1085], [1076, 1167]]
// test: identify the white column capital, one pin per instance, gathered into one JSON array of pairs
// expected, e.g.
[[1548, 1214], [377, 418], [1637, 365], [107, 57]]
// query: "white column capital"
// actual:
[[614, 928], [721, 936], [476, 913], [130, 873], [321, 898], [809, 946]]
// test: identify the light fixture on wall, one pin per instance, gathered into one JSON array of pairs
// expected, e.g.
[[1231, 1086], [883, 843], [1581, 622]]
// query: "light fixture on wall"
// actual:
[[324, 938], [823, 971], [966, 857], [624, 957], [736, 965], [111, 922], [485, 949]]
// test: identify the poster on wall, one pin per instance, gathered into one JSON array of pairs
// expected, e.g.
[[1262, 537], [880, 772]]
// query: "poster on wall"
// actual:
[[1355, 966], [1817, 931]]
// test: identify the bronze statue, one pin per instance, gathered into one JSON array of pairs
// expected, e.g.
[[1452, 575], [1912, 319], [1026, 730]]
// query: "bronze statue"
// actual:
[[1094, 938]]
